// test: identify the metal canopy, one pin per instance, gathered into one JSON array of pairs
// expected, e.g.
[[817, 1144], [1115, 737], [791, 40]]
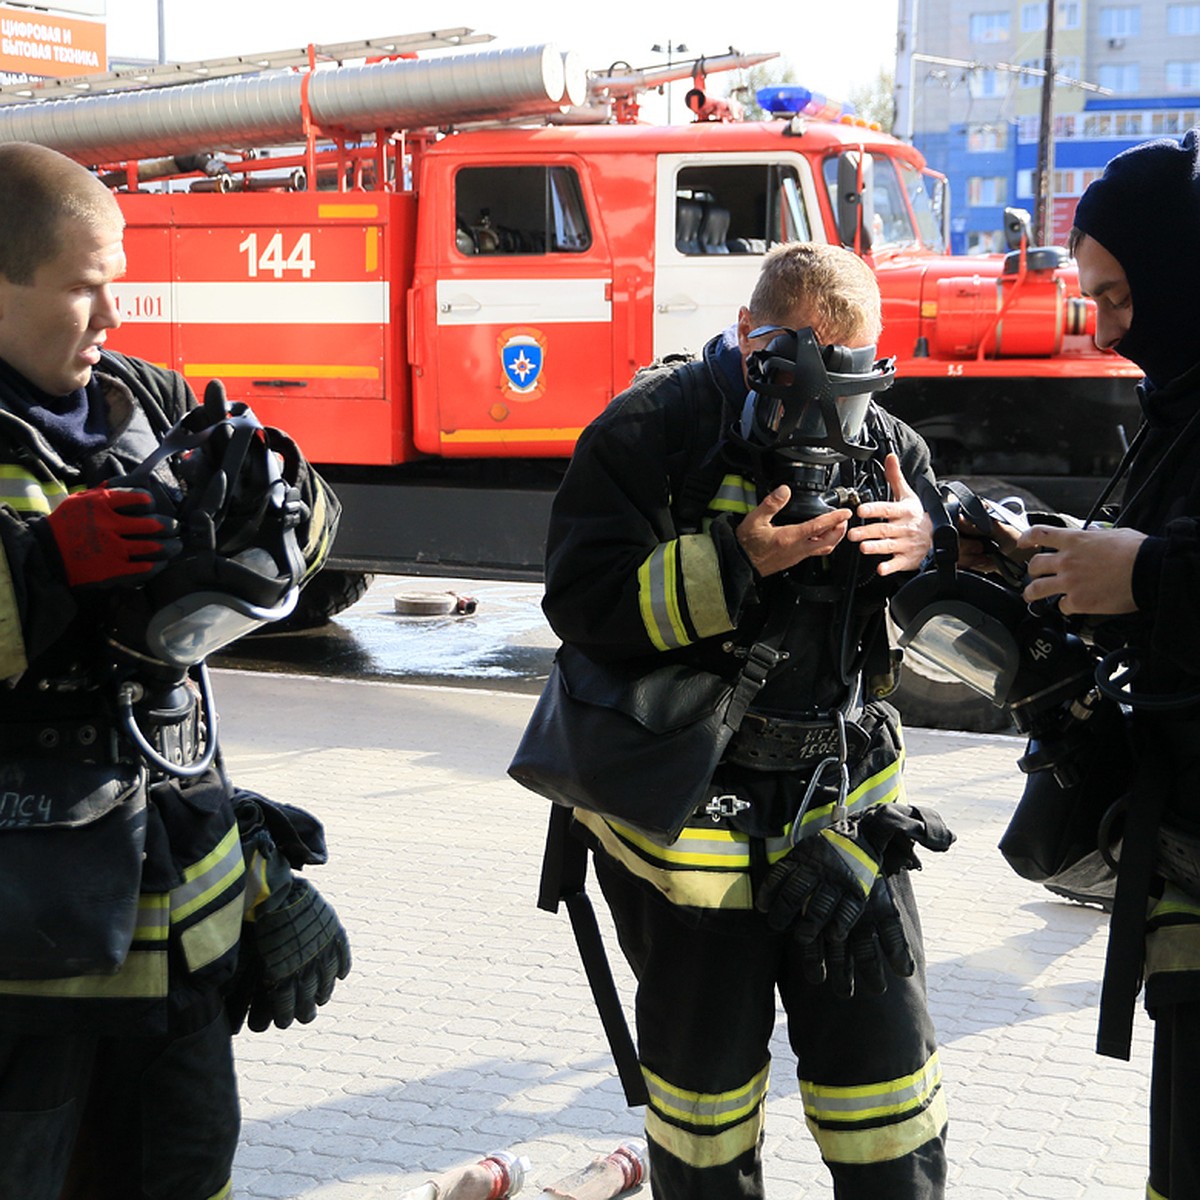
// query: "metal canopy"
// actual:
[[137, 78]]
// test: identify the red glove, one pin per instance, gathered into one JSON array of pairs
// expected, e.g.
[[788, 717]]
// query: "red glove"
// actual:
[[110, 536]]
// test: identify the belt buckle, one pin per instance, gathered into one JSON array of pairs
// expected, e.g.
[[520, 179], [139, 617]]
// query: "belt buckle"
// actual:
[[725, 805]]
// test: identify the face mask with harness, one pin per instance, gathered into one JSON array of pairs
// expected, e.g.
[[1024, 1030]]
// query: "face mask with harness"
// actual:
[[240, 568], [804, 419]]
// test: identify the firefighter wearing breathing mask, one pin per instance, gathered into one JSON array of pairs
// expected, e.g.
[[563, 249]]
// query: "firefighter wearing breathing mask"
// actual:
[[131, 871], [694, 520]]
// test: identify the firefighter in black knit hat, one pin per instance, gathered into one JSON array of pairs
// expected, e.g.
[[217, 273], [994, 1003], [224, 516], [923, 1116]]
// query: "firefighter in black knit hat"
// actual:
[[1136, 582]]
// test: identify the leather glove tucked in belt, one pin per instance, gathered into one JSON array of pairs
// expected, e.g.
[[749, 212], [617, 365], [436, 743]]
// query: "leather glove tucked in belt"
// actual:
[[832, 892]]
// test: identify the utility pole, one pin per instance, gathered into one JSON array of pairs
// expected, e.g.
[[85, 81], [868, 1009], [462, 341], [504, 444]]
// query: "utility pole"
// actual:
[[1043, 218]]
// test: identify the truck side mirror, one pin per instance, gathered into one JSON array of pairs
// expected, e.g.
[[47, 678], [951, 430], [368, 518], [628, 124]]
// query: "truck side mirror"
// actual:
[[855, 205], [1017, 223]]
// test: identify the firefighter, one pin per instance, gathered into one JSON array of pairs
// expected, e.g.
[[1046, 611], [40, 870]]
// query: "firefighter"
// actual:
[[119, 1081], [1136, 240], [794, 878]]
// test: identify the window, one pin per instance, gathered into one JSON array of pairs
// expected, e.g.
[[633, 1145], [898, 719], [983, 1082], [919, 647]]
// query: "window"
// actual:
[[1028, 127], [1066, 68], [1064, 126], [1120, 22], [1183, 19], [1025, 182], [747, 208], [891, 222], [1067, 15], [1183, 76], [984, 82], [985, 190], [925, 199], [989, 27], [1027, 77], [1121, 78], [985, 241], [1128, 124], [520, 210], [1066, 183], [981, 138]]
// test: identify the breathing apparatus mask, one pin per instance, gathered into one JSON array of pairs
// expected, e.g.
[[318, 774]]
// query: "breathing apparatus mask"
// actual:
[[218, 472], [805, 416]]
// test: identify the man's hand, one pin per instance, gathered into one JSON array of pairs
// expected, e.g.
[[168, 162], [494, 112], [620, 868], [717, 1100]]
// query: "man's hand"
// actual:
[[899, 527], [1091, 570], [111, 536], [772, 548]]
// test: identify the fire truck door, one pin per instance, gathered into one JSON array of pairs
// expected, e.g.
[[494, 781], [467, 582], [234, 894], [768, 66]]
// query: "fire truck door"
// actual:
[[717, 216], [523, 347]]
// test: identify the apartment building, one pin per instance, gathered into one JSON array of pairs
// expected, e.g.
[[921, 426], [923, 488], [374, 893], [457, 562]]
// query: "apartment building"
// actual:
[[970, 87]]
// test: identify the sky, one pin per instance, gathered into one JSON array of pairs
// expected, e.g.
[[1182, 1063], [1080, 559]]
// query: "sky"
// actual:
[[826, 51]]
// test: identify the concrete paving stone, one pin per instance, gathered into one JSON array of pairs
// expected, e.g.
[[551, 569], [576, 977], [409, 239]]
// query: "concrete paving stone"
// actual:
[[467, 1026]]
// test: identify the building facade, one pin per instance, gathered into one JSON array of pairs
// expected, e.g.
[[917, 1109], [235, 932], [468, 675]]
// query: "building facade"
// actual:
[[1126, 71]]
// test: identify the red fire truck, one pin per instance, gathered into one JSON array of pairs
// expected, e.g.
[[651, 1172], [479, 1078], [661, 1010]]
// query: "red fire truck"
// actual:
[[434, 264]]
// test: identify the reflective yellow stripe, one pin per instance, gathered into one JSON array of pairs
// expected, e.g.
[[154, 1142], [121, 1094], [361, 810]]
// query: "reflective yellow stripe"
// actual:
[[12, 640], [316, 551], [735, 495], [222, 867], [208, 939], [706, 1108], [705, 1150], [706, 867], [862, 1102], [705, 593], [142, 976], [226, 1191], [27, 494], [1175, 902], [861, 865], [154, 917], [1151, 1194], [885, 1143], [1175, 948], [658, 597], [702, 889]]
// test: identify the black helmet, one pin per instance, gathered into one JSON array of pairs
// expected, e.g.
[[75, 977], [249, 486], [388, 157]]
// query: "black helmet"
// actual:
[[241, 564]]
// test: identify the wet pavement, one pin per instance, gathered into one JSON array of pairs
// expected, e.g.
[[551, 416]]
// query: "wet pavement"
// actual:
[[504, 640]]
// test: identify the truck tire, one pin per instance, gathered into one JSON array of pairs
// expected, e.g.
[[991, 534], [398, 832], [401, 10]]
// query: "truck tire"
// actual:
[[328, 593]]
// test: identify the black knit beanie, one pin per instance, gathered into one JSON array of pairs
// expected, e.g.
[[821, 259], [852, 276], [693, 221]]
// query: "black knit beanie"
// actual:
[[1145, 211]]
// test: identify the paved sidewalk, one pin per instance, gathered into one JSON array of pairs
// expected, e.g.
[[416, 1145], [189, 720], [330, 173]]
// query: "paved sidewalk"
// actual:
[[466, 1025]]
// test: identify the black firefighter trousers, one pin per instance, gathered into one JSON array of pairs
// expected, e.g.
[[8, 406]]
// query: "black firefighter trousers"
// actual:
[[705, 1008]]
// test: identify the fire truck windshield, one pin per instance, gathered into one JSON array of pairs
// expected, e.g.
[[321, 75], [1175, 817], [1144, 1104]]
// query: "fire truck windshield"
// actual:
[[892, 221]]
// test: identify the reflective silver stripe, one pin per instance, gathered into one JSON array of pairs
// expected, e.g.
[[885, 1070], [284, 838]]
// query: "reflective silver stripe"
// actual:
[[882, 1143], [861, 1102], [858, 862], [28, 495], [725, 849], [223, 867], [153, 917], [206, 940], [706, 1108], [736, 495], [658, 597]]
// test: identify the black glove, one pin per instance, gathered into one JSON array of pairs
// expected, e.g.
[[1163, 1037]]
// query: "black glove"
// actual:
[[831, 891], [290, 958], [293, 946]]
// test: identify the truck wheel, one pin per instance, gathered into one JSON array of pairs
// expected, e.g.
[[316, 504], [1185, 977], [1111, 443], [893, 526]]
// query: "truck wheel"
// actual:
[[323, 597]]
